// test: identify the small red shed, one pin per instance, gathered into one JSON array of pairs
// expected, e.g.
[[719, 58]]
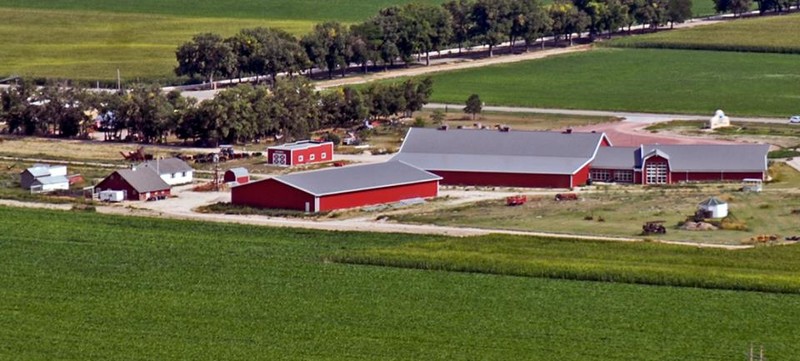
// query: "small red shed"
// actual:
[[236, 175], [339, 188], [302, 152], [138, 184]]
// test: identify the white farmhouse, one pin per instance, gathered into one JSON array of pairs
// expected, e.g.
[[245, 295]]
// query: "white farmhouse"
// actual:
[[172, 170]]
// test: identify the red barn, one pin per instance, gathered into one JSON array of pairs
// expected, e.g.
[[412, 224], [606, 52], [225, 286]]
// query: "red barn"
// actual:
[[338, 188], [664, 164], [503, 158], [302, 152], [138, 184], [236, 175]]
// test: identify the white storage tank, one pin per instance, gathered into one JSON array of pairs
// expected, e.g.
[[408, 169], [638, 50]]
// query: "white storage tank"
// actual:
[[715, 206]]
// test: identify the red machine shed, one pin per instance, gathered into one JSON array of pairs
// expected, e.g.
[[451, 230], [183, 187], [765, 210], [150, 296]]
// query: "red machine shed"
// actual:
[[236, 175], [503, 158], [301, 152], [339, 188], [138, 184]]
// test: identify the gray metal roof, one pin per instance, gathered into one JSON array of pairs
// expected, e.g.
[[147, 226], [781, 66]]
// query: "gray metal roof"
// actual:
[[713, 201], [495, 151], [239, 172], [714, 157], [53, 179], [143, 179], [39, 171], [167, 166], [688, 157], [356, 177], [616, 158]]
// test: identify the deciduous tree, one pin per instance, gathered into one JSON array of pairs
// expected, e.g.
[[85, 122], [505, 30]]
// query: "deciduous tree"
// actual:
[[474, 105], [207, 55]]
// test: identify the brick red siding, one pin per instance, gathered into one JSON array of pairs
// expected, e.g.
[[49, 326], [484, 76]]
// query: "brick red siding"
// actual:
[[293, 156], [713, 176], [504, 179], [270, 193], [379, 196], [581, 176]]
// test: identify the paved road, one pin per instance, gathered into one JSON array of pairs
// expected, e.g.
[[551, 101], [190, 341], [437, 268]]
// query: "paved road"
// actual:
[[644, 118]]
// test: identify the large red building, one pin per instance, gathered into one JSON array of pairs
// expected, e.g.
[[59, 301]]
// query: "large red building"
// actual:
[[301, 152], [503, 158], [664, 164], [338, 188]]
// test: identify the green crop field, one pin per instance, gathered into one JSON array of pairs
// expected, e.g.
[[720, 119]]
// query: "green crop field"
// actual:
[[77, 286], [766, 35], [653, 80], [93, 45], [643, 263], [90, 39], [306, 10]]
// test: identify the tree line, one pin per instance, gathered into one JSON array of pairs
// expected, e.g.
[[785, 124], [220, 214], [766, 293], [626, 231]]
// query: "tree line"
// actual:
[[291, 108], [738, 7], [404, 33]]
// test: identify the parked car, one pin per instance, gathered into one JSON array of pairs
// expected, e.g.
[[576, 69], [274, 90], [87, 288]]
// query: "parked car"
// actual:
[[794, 119]]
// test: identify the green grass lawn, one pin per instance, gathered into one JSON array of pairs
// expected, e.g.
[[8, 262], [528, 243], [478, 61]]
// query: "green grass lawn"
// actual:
[[622, 210], [87, 286], [756, 35], [696, 127], [668, 81]]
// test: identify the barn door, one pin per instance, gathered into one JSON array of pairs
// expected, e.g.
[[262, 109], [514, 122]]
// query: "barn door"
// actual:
[[279, 158]]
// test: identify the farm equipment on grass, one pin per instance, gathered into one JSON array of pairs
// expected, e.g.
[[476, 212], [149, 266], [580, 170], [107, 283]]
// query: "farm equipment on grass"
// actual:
[[566, 197], [654, 227], [517, 200], [137, 155]]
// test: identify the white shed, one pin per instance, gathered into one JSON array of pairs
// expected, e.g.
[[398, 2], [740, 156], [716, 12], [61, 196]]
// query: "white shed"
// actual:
[[49, 183], [717, 207]]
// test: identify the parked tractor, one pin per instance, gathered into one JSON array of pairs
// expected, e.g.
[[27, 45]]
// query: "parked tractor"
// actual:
[[654, 227]]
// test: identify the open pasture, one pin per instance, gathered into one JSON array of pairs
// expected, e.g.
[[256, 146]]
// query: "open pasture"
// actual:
[[667, 81], [769, 34], [622, 210], [88, 286]]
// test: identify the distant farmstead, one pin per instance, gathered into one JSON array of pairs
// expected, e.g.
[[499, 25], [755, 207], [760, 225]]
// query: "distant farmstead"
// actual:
[[301, 152], [338, 188]]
